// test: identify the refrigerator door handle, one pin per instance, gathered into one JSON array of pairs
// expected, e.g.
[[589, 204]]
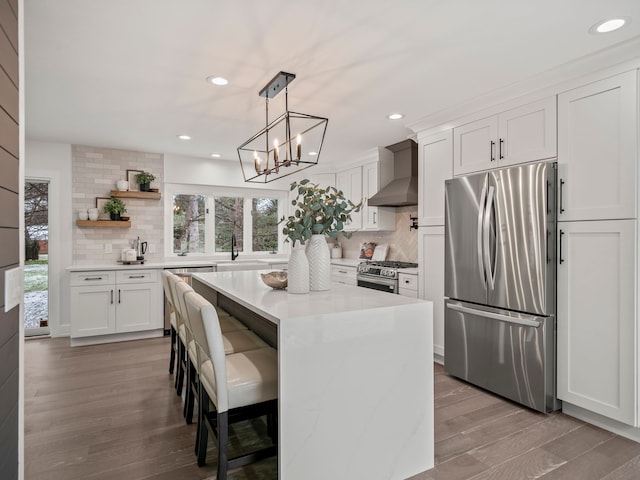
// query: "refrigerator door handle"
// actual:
[[481, 215], [486, 244], [495, 316]]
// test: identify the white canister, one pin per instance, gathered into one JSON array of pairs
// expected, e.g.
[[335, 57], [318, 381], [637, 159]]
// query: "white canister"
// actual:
[[122, 185], [336, 250], [93, 214], [128, 255], [83, 215]]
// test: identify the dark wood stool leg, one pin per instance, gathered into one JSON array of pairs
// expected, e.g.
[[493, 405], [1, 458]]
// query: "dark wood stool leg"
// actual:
[[181, 372], [189, 400], [203, 433], [223, 440], [172, 358]]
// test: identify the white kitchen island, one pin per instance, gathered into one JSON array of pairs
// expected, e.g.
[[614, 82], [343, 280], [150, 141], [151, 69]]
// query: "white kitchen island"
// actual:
[[355, 376]]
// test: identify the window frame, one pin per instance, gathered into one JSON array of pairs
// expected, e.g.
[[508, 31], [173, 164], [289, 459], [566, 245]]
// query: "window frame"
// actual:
[[210, 192]]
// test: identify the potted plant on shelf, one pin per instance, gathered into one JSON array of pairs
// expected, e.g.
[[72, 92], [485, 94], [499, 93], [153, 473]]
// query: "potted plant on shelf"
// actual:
[[115, 207], [144, 179], [319, 213]]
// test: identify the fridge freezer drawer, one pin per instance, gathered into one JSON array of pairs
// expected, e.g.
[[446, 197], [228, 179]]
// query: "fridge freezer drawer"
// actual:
[[510, 354]]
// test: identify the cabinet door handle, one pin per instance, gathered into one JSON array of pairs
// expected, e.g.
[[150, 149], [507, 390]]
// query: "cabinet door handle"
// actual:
[[136, 276], [493, 149], [374, 217], [119, 296], [407, 281], [560, 248], [111, 297], [92, 278], [500, 149], [561, 187], [342, 271]]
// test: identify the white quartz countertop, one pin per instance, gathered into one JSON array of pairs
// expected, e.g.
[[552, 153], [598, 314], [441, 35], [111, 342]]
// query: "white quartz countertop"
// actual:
[[175, 263], [347, 262], [409, 271], [248, 289]]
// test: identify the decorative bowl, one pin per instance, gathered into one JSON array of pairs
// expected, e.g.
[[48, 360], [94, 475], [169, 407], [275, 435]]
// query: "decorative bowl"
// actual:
[[277, 279]]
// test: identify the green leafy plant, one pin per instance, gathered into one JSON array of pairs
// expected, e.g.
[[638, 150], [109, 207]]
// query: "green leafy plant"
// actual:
[[145, 177], [318, 211], [114, 205]]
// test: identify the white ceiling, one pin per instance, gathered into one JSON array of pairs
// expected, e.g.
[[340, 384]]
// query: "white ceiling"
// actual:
[[131, 73]]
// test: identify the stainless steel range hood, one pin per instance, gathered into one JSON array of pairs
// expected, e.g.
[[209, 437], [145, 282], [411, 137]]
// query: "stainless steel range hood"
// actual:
[[403, 189]]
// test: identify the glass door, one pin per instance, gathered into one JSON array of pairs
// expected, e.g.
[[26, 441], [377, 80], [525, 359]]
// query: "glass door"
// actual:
[[36, 264]]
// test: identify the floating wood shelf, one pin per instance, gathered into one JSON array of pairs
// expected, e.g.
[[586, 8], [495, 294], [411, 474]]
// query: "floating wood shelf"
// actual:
[[143, 195], [104, 223]]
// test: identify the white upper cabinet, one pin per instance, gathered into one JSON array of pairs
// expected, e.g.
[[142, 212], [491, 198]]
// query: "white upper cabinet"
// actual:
[[597, 150], [360, 183], [350, 182], [376, 218], [520, 135], [435, 165], [323, 180]]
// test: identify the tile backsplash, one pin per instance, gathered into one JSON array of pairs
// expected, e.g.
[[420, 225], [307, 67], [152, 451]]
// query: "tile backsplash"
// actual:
[[403, 242], [95, 172]]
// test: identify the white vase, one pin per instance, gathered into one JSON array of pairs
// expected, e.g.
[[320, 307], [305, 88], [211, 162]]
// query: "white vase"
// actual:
[[298, 271], [122, 185], [319, 263]]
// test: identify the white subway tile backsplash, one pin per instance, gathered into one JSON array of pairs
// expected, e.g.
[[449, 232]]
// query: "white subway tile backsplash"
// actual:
[[95, 172]]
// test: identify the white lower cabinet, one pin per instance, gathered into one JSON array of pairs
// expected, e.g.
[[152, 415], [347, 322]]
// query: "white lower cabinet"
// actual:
[[108, 302], [408, 284], [431, 280], [597, 334], [344, 274]]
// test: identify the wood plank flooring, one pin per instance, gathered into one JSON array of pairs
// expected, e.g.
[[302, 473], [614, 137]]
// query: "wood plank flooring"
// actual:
[[108, 412]]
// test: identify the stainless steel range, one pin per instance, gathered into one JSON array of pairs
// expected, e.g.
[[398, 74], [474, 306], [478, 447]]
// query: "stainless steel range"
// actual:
[[381, 276]]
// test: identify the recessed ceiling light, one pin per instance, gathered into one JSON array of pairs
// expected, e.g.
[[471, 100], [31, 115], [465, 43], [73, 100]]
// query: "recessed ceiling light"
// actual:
[[313, 154], [184, 137], [217, 80], [606, 26], [395, 116], [215, 155]]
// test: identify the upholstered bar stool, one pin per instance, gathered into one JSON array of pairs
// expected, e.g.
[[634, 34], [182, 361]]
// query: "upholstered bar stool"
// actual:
[[240, 386], [181, 345], [172, 320], [234, 342]]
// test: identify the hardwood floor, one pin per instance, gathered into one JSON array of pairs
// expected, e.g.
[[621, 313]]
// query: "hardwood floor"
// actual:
[[110, 412]]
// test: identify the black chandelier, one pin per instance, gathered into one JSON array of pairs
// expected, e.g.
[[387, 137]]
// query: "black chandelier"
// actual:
[[287, 145]]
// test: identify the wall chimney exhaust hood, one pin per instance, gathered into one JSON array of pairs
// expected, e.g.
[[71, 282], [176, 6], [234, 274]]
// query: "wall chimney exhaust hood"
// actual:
[[403, 189]]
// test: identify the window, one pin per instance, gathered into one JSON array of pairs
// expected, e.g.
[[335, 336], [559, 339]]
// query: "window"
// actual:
[[264, 224], [189, 223], [229, 220], [204, 220]]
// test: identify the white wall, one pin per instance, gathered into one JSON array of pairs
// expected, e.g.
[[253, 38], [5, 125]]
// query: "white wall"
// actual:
[[52, 162], [203, 171]]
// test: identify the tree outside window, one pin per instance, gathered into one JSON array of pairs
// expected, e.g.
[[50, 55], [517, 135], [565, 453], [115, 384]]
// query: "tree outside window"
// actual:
[[229, 218], [264, 213], [189, 223]]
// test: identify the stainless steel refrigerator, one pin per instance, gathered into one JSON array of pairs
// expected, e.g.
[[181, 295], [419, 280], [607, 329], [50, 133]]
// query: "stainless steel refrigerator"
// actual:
[[500, 282]]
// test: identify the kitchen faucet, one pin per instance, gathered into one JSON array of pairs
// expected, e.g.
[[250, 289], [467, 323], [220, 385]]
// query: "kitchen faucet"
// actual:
[[234, 254]]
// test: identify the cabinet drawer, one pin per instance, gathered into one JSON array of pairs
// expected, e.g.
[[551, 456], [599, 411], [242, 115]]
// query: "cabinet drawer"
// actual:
[[136, 276], [92, 278], [408, 282], [342, 274], [405, 292]]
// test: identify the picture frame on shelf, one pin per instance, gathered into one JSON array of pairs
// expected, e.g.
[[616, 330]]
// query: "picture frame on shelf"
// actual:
[[100, 201], [131, 178]]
